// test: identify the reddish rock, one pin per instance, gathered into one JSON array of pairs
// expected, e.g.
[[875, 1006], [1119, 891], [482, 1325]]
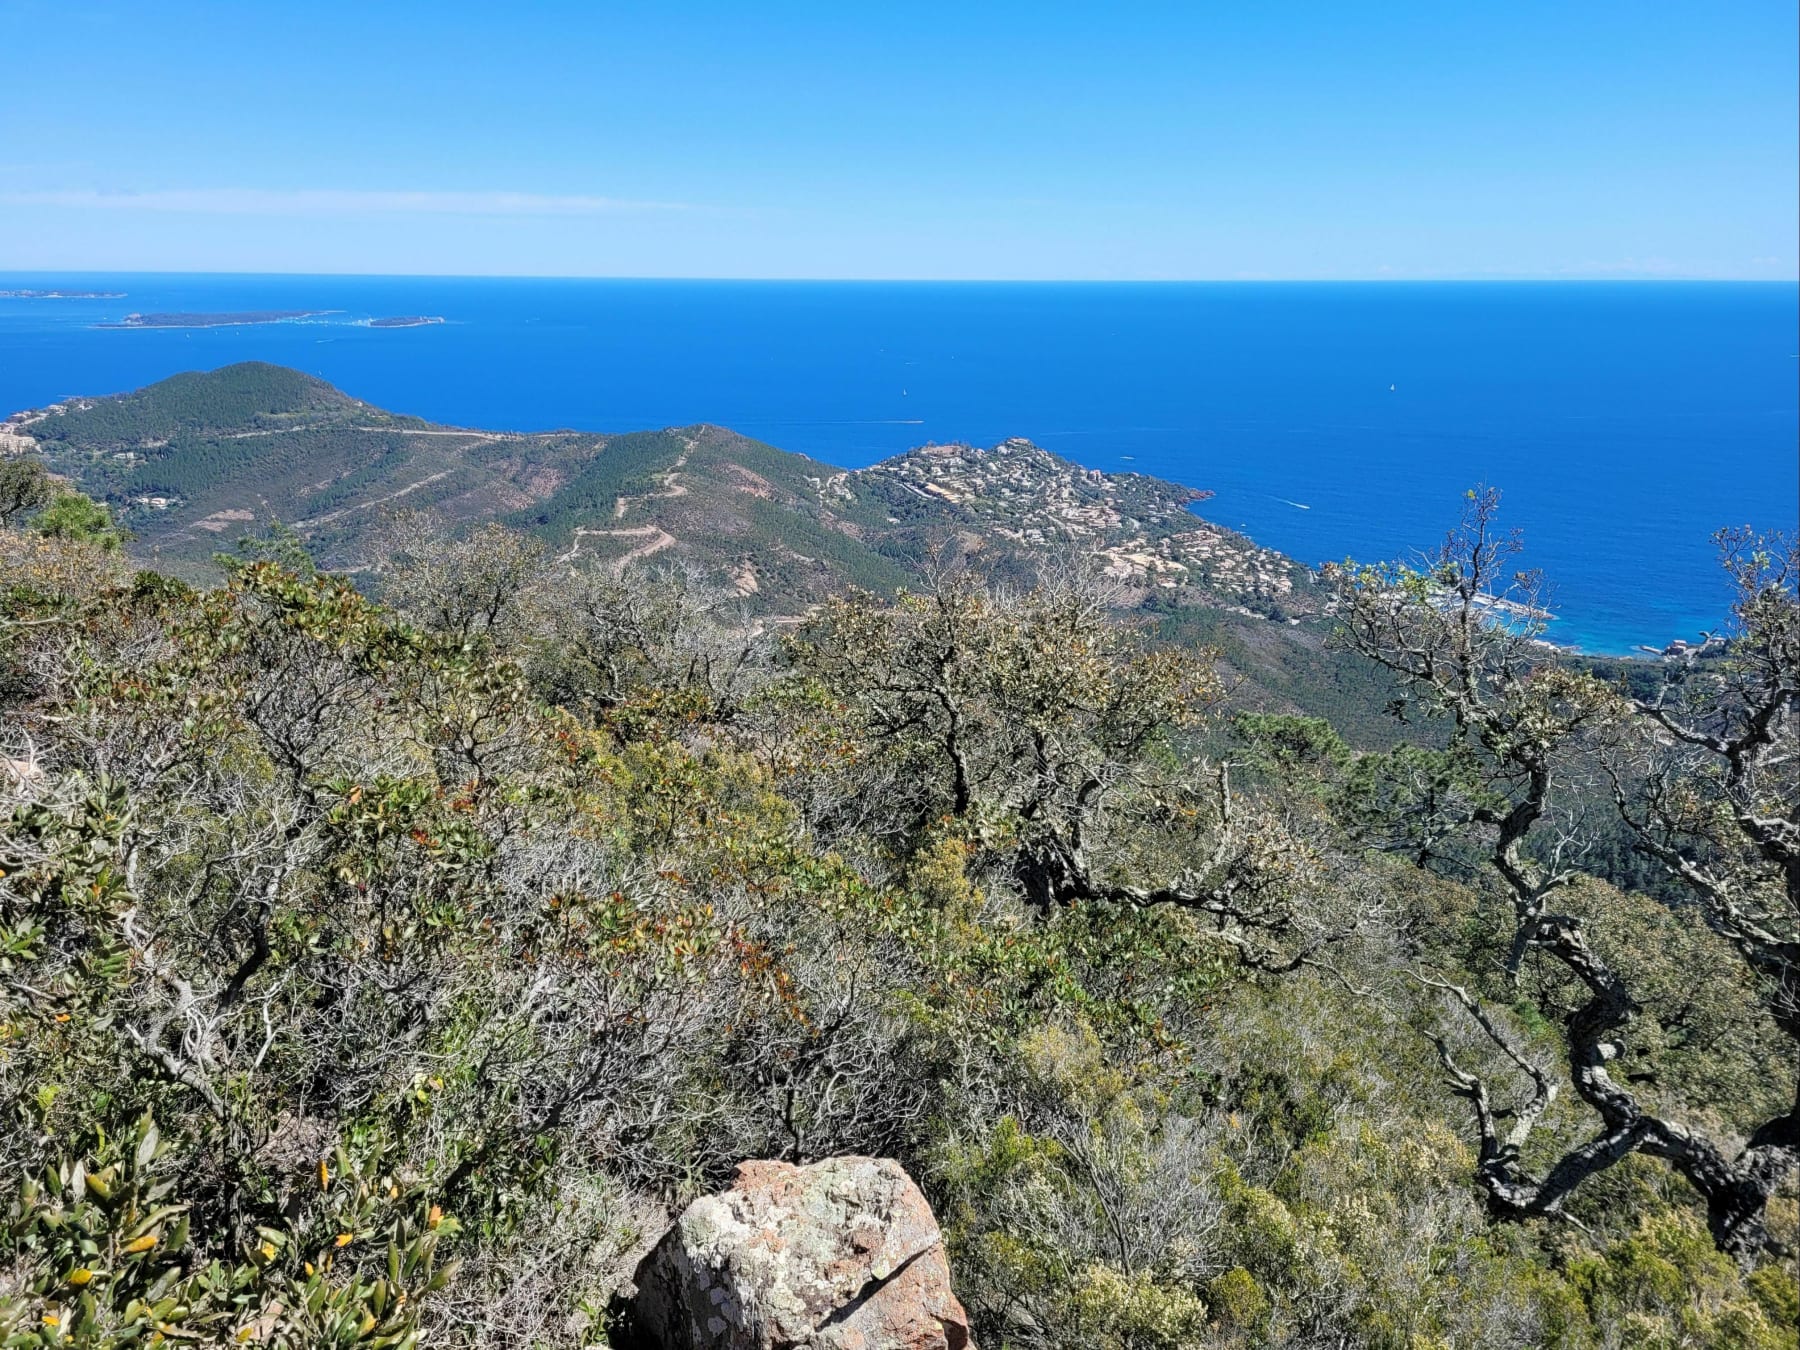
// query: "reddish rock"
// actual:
[[841, 1255]]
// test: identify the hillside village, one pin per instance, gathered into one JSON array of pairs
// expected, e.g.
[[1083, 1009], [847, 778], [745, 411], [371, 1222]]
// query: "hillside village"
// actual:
[[1142, 527], [194, 462]]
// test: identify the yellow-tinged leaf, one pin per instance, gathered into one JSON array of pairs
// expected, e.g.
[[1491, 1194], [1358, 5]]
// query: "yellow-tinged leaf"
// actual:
[[143, 1244], [345, 1239], [80, 1276], [435, 1216]]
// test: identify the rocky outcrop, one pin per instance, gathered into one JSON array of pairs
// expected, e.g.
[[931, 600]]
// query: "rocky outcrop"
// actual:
[[841, 1255]]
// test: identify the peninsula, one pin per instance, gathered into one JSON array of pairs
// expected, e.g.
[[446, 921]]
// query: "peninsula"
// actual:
[[200, 458]]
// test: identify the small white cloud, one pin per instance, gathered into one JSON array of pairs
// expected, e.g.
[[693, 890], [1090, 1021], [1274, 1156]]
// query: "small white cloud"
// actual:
[[336, 202]]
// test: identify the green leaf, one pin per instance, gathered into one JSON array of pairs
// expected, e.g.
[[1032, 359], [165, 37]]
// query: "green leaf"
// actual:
[[147, 1143]]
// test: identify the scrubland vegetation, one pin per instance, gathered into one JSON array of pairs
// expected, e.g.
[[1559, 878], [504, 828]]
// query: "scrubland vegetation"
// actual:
[[377, 971]]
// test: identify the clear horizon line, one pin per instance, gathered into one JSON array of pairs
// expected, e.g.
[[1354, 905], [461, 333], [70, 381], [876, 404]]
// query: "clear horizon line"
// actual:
[[1446, 278]]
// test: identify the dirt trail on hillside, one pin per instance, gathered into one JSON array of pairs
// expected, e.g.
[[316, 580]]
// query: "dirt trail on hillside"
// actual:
[[656, 540], [330, 516], [389, 431], [670, 488]]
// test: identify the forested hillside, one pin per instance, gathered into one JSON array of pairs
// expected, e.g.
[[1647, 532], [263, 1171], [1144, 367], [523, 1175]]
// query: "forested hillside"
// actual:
[[246, 397], [197, 461], [205, 463], [381, 966]]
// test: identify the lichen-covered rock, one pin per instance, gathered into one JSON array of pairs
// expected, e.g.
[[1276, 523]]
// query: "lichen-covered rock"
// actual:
[[841, 1255]]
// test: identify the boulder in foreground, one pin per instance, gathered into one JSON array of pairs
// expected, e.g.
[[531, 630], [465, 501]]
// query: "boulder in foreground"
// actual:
[[840, 1255]]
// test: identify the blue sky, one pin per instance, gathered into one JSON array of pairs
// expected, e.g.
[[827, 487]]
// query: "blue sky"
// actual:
[[1230, 140]]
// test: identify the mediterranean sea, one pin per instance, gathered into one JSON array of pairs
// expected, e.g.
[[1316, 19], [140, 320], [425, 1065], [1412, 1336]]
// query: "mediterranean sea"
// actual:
[[1624, 422]]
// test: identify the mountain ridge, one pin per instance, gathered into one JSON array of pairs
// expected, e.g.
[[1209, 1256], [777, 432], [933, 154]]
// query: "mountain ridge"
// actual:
[[193, 462]]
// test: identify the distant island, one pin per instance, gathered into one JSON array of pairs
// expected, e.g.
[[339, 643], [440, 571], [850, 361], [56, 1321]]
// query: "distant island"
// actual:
[[213, 320], [62, 295], [402, 321]]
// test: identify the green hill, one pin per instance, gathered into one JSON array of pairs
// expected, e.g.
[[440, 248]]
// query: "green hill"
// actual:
[[193, 462], [247, 396]]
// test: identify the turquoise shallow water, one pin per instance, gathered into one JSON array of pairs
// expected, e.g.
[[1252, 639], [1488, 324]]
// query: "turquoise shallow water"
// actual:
[[1624, 422]]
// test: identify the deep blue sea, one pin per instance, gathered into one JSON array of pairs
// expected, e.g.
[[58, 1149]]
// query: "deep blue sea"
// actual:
[[1624, 422]]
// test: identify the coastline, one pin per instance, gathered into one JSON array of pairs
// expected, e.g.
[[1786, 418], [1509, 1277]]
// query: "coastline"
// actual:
[[1591, 406]]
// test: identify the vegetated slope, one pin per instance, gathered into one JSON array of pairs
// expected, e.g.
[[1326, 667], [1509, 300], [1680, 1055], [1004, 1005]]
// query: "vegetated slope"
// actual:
[[242, 397], [396, 973], [1292, 668], [195, 461], [746, 510]]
